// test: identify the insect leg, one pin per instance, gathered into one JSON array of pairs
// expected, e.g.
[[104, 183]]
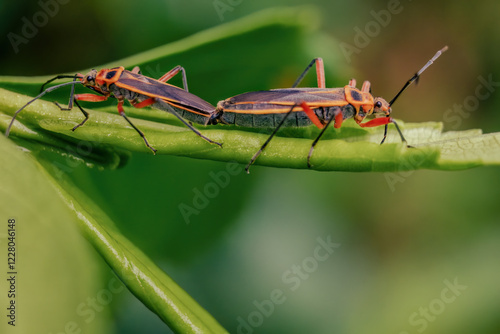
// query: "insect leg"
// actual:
[[170, 74], [320, 72], [383, 121], [122, 113], [337, 117], [75, 77], [86, 114], [7, 131], [256, 155], [312, 116], [145, 103], [192, 128], [366, 87], [82, 97]]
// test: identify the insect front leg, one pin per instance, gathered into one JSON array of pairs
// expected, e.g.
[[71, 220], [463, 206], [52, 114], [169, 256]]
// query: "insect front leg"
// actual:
[[9, 127], [83, 97], [72, 93], [384, 121]]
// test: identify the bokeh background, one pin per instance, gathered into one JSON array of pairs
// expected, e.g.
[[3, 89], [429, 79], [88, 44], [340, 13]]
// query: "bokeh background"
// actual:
[[404, 238]]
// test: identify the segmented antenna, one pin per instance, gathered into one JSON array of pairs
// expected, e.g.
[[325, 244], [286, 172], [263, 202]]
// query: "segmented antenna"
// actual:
[[36, 98], [417, 75]]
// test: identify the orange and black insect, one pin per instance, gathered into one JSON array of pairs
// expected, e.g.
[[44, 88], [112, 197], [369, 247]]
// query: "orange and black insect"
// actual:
[[294, 107], [141, 91]]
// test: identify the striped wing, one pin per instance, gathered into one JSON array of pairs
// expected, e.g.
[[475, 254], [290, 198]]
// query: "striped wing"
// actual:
[[173, 95], [280, 100]]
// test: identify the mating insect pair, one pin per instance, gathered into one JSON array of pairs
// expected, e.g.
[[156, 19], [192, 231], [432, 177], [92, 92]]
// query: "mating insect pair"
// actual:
[[289, 107]]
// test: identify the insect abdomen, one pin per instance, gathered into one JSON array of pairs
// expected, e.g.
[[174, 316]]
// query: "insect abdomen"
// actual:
[[295, 119]]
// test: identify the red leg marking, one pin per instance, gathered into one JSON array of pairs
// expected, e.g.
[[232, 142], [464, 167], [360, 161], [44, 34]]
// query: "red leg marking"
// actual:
[[366, 87], [312, 116], [352, 83], [339, 118], [320, 72], [120, 107], [170, 74], [91, 97], [376, 122], [144, 103]]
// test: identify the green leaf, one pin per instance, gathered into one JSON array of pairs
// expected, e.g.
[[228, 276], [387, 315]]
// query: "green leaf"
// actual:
[[52, 261], [143, 278], [347, 149], [22, 175]]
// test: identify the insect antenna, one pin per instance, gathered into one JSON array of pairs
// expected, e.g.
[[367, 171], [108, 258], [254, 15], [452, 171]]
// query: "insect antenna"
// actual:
[[64, 76], [415, 77], [48, 90]]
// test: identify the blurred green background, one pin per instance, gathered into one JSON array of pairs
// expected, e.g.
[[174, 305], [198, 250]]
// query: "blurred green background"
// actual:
[[404, 237]]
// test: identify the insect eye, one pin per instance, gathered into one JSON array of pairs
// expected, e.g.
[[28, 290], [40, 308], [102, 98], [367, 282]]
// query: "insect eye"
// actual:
[[378, 104]]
